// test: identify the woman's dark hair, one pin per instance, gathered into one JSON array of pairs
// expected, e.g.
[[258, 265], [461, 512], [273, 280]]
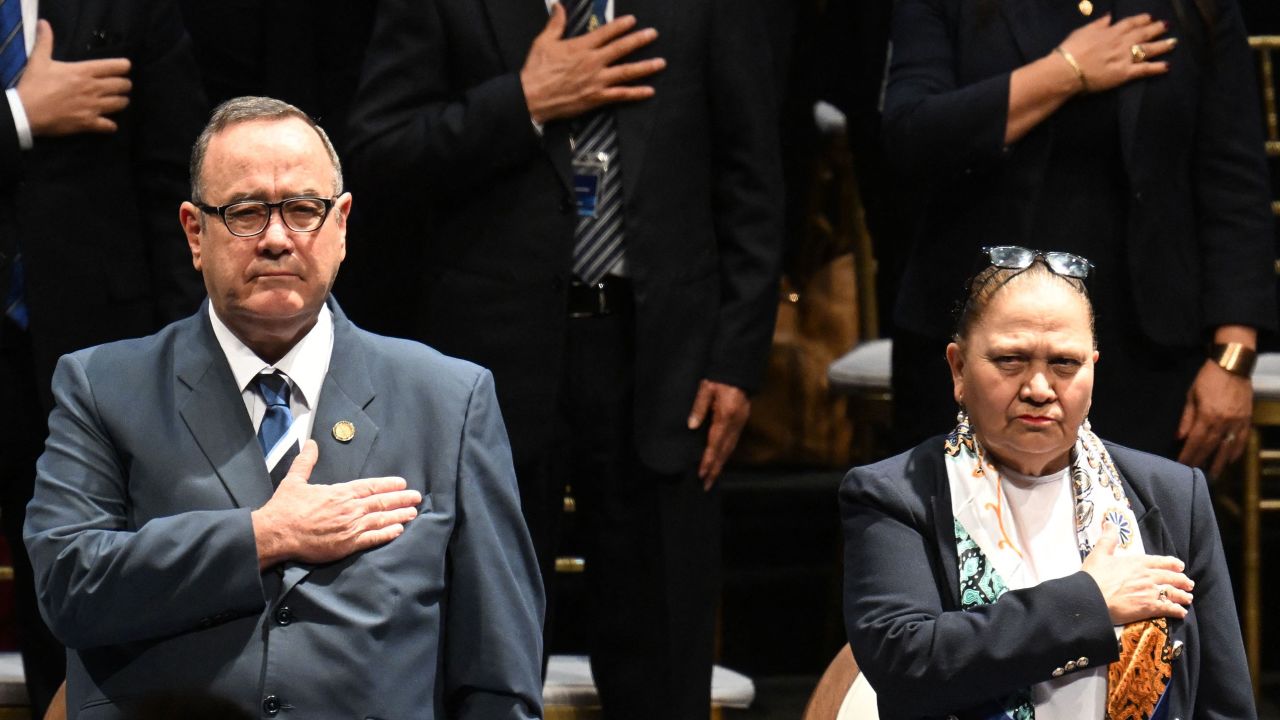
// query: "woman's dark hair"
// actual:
[[981, 288]]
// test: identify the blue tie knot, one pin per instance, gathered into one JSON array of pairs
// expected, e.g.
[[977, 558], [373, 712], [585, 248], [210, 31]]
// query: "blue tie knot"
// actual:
[[274, 389]]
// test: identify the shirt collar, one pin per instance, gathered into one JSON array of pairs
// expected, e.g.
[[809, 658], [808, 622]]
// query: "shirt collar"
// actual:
[[305, 364]]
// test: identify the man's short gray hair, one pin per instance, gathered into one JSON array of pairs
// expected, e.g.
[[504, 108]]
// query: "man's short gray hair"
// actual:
[[247, 109]]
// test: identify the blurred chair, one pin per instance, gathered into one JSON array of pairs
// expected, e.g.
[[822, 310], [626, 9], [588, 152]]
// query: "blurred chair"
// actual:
[[570, 692], [843, 693], [862, 375], [13, 688], [1248, 504], [1267, 47], [1249, 501]]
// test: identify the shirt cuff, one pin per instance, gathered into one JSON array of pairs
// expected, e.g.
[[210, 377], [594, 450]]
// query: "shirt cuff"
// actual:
[[537, 126], [20, 123]]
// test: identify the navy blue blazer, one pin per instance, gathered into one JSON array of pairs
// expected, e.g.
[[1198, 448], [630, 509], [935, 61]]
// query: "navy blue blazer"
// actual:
[[146, 566], [927, 658], [1199, 236]]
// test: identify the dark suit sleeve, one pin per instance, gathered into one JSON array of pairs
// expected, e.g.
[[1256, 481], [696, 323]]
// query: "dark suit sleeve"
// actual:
[[1223, 690], [169, 109], [933, 125], [411, 124], [1231, 185], [10, 150], [924, 659], [101, 581], [493, 625], [747, 192]]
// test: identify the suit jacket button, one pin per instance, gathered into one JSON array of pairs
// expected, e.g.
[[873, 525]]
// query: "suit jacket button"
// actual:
[[1057, 672], [284, 615], [1082, 662], [1071, 665], [271, 705]]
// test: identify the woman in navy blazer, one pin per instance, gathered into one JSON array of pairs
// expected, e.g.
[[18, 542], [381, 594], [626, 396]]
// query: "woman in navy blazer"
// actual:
[[967, 593], [1131, 136]]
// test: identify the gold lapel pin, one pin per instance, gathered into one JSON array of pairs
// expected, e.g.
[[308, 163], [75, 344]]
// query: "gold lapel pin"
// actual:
[[344, 431]]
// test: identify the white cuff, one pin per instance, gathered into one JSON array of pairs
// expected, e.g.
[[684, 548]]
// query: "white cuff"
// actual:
[[537, 126], [20, 123]]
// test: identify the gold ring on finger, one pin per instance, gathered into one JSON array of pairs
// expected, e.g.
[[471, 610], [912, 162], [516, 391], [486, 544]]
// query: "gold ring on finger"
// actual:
[[1139, 55]]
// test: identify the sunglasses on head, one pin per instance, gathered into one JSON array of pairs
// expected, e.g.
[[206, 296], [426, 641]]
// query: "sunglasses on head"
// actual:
[[1013, 257]]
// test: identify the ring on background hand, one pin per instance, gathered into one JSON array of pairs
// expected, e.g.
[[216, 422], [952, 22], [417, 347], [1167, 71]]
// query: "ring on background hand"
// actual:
[[1138, 53], [1228, 438], [1163, 595]]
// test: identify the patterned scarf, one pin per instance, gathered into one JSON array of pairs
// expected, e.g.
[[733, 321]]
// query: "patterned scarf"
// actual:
[[1136, 682]]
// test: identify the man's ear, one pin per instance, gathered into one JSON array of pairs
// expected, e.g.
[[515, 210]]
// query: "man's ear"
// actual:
[[192, 221]]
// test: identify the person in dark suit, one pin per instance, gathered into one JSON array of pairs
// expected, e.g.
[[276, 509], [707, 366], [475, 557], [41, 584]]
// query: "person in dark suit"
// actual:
[[1127, 131], [991, 572], [505, 138], [305, 52], [362, 556], [93, 146]]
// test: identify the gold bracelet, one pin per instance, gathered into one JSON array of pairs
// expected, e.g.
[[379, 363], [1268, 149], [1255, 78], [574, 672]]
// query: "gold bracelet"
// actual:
[[1071, 60], [1235, 358]]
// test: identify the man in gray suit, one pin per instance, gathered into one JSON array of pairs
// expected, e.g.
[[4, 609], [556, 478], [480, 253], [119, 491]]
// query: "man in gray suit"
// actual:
[[175, 550]]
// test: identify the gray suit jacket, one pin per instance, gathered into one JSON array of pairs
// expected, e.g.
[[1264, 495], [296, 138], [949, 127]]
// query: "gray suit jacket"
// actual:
[[145, 559], [927, 659]]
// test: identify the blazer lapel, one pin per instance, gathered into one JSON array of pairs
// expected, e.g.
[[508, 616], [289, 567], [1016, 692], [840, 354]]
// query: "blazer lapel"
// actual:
[[346, 392], [215, 414], [515, 24], [1129, 96], [1029, 32], [943, 523], [634, 120]]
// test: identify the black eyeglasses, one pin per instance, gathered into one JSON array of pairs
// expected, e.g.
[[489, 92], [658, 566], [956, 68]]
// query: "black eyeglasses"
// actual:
[[246, 218], [1013, 257]]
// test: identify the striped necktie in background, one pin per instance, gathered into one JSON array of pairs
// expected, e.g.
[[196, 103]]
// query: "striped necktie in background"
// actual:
[[278, 446], [13, 58], [598, 241]]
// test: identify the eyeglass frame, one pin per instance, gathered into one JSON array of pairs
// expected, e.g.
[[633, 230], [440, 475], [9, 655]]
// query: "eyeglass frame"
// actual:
[[221, 212], [1042, 255]]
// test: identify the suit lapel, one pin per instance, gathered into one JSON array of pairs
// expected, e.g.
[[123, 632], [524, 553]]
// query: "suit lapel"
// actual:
[[634, 120], [515, 23], [943, 523], [346, 392], [214, 413], [1129, 96], [65, 20], [1029, 32]]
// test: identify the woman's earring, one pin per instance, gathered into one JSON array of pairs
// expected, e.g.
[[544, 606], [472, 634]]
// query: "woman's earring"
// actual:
[[962, 419]]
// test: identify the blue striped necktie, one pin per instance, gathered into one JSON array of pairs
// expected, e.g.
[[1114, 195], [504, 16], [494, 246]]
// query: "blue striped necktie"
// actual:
[[13, 58], [274, 389], [597, 243], [13, 48]]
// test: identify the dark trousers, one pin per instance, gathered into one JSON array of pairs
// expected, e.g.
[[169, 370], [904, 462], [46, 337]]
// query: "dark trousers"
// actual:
[[1139, 388], [651, 541], [43, 658]]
